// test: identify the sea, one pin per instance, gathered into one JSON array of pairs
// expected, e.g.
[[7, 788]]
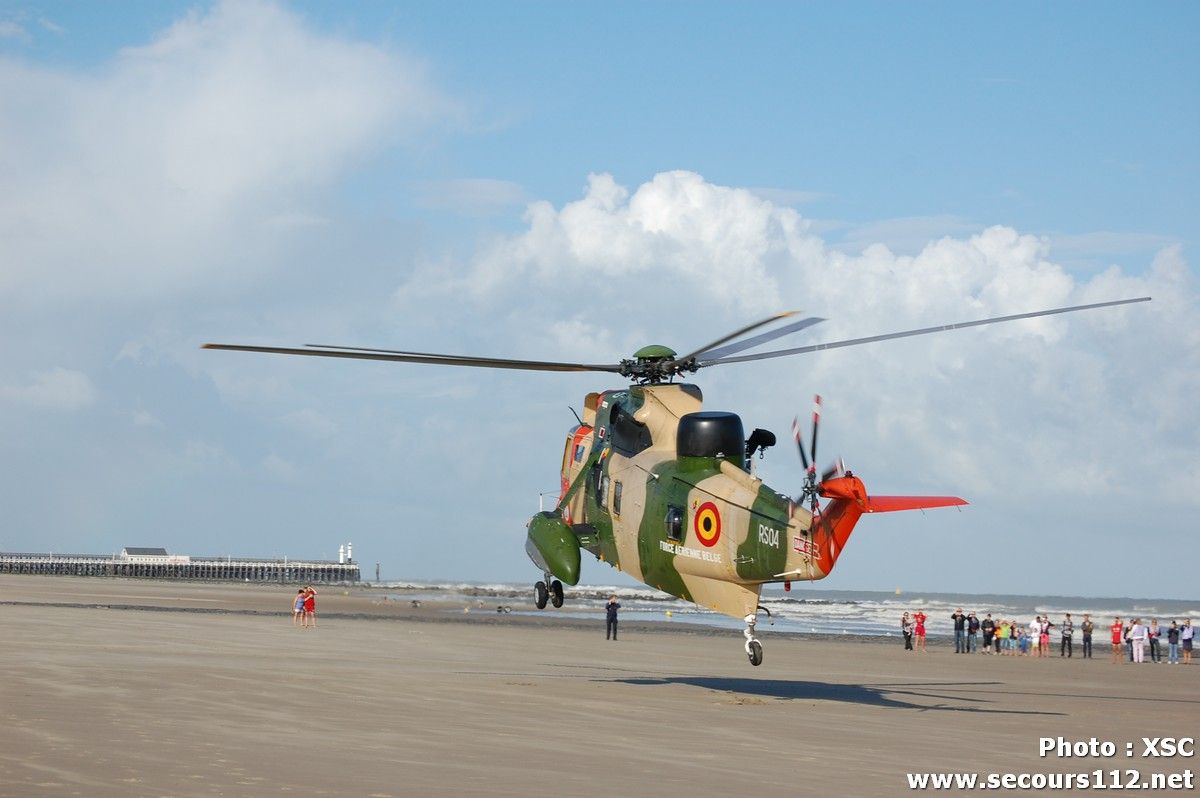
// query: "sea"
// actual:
[[807, 610]]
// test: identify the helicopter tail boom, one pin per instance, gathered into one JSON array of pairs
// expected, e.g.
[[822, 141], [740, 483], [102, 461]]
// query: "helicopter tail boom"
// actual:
[[849, 500]]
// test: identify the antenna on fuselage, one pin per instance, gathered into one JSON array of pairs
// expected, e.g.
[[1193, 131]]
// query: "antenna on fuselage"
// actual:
[[577, 418]]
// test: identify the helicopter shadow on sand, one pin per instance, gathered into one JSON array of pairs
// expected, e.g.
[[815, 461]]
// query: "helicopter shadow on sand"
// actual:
[[865, 695]]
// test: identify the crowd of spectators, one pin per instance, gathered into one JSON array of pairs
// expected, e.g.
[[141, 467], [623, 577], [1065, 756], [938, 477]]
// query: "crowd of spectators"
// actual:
[[1013, 638]]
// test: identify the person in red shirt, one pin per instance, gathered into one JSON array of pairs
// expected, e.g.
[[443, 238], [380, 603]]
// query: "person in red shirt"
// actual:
[[310, 607], [1118, 630], [919, 621]]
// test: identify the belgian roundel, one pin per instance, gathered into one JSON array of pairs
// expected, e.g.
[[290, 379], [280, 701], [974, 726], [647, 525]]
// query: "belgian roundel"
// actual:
[[707, 524]]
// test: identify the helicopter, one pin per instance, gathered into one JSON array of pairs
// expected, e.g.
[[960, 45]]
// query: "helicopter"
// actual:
[[665, 491]]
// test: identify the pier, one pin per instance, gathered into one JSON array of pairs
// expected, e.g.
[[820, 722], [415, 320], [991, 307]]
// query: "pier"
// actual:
[[157, 564]]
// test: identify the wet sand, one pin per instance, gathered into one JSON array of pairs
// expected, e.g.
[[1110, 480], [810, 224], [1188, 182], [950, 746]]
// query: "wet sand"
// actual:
[[125, 687]]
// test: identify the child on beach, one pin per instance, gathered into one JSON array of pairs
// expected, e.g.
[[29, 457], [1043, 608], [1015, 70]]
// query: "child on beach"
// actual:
[[298, 608]]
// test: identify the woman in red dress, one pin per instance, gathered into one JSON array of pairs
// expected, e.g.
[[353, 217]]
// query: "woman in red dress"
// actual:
[[919, 620], [310, 607]]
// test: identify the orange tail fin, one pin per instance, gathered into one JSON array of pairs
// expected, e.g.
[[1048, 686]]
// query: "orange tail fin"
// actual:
[[849, 500]]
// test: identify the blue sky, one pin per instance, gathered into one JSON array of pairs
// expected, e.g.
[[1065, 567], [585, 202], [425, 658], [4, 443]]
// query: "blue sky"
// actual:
[[458, 177]]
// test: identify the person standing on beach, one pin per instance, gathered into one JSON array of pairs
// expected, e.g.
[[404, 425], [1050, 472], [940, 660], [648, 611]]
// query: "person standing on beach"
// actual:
[[1035, 635], [1186, 633], [1068, 629], [972, 633], [610, 623], [1086, 627], [988, 627], [960, 631], [1137, 637], [310, 607], [1173, 644], [919, 629], [1117, 629], [906, 627], [1152, 634], [298, 607]]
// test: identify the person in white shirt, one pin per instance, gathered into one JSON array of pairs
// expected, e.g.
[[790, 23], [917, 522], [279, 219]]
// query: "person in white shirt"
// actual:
[[1035, 635], [1186, 633], [1137, 636]]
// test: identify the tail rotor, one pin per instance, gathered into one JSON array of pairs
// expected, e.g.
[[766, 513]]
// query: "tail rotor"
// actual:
[[812, 485]]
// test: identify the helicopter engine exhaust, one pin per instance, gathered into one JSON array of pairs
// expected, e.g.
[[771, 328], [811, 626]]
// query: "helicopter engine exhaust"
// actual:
[[553, 546]]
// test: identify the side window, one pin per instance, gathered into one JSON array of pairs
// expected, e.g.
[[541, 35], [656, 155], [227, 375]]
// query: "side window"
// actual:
[[602, 498], [579, 453], [616, 498], [674, 523]]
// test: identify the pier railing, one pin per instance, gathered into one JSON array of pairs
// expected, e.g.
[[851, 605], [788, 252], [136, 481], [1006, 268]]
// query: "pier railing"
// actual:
[[226, 569]]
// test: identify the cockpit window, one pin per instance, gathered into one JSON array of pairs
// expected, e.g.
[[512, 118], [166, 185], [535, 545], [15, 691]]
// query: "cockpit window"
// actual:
[[629, 436]]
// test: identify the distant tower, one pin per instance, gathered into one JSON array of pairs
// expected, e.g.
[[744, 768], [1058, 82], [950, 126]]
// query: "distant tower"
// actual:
[[350, 552], [341, 555]]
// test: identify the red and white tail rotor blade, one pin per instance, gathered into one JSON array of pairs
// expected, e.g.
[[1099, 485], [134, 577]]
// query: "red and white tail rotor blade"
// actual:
[[799, 438], [816, 424]]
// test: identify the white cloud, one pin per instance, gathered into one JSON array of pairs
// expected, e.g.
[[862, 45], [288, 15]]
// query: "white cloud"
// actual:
[[907, 235], [1067, 405], [187, 161], [675, 230], [57, 389]]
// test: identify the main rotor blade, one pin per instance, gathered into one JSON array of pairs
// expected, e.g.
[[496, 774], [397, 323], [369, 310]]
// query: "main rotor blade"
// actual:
[[758, 340], [422, 357], [738, 334], [923, 331]]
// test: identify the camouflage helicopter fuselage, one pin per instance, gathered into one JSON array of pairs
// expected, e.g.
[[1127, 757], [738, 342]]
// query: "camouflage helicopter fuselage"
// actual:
[[679, 510]]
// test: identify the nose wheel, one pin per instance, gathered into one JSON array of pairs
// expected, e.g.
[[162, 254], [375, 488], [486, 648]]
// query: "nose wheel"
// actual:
[[754, 649]]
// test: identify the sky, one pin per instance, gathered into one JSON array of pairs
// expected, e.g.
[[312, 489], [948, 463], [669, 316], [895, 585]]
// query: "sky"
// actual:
[[572, 182]]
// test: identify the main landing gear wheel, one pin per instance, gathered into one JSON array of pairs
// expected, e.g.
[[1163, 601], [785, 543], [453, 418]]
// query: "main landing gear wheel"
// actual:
[[556, 593], [754, 648], [541, 595]]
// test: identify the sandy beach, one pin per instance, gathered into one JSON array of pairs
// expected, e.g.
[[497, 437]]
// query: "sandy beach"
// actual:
[[123, 687]]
